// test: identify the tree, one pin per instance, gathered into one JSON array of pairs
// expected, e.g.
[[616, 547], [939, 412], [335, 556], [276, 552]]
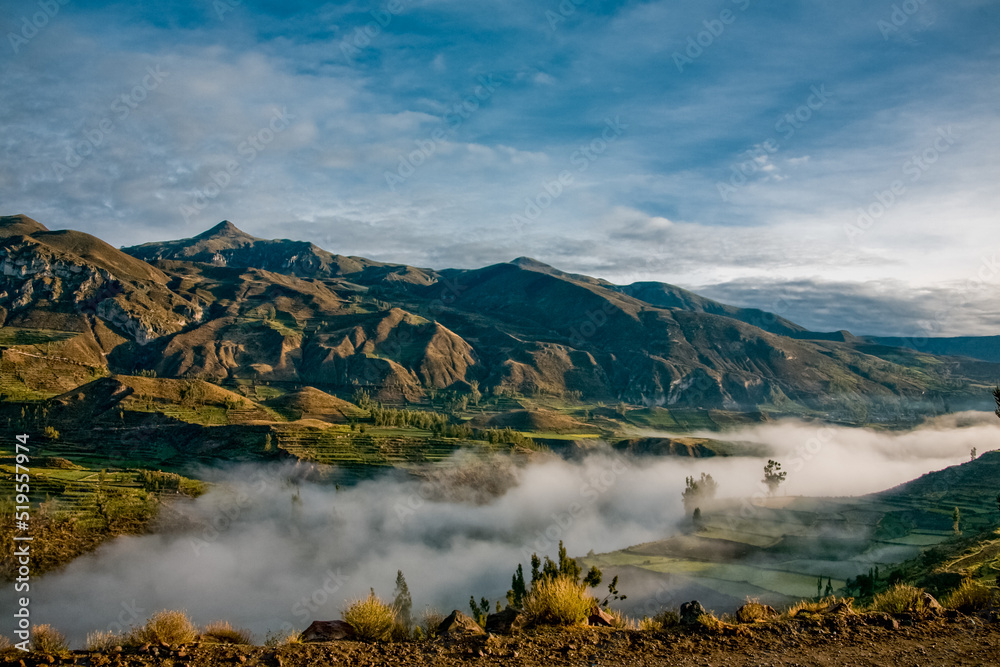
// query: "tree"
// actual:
[[403, 601], [996, 397], [773, 476], [972, 454], [956, 521], [829, 587], [518, 591], [698, 491]]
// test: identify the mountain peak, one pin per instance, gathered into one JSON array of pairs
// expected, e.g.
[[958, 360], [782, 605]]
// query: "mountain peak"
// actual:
[[224, 229], [530, 264], [20, 225]]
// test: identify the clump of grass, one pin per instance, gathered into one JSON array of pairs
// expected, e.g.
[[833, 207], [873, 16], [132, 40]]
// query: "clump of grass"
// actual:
[[662, 621], [278, 639], [5, 643], [165, 627], [557, 601], [899, 599], [46, 639], [104, 640], [620, 621], [431, 621], [372, 619], [753, 612], [970, 597], [222, 632]]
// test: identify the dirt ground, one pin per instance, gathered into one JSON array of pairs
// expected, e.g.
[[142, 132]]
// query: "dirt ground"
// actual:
[[937, 642]]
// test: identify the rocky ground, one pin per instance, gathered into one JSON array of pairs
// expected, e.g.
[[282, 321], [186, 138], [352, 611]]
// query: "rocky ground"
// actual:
[[954, 640]]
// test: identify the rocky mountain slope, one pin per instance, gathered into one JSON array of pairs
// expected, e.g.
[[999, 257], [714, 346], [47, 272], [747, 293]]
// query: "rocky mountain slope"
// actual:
[[225, 305]]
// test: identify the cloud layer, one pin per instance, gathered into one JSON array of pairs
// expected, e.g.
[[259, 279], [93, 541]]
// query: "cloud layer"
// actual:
[[266, 552]]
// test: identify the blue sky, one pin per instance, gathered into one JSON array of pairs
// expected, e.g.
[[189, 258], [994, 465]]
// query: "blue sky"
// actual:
[[726, 146]]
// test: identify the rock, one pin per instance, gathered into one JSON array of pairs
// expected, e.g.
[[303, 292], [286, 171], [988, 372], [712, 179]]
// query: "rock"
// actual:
[[600, 617], [882, 620], [502, 622], [690, 611], [328, 631], [459, 625], [931, 604], [841, 608]]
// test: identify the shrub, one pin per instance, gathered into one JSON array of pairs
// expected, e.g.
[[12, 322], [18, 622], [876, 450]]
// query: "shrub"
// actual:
[[432, 619], [372, 619], [970, 597], [752, 612], [5, 643], [620, 621], [221, 632], [277, 639], [165, 627], [104, 640], [557, 600], [47, 639], [899, 599]]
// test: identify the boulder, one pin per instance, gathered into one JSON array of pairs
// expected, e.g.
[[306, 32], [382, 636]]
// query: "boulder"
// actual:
[[502, 622], [931, 604], [690, 611], [328, 631], [459, 625], [882, 620], [600, 617]]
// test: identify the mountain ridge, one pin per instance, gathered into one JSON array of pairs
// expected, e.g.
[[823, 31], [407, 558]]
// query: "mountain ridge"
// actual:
[[225, 305]]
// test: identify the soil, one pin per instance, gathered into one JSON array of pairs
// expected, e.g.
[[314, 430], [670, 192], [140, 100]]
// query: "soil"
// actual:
[[940, 641]]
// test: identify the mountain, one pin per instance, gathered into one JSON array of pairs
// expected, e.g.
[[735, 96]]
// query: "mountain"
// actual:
[[225, 306], [226, 245], [986, 348]]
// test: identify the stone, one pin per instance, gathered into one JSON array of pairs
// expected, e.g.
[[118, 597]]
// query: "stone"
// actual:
[[690, 611], [600, 617], [328, 631], [459, 625], [502, 622]]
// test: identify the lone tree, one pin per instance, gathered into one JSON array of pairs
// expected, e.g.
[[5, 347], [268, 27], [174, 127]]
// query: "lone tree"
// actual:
[[956, 521], [697, 491], [773, 476], [403, 601]]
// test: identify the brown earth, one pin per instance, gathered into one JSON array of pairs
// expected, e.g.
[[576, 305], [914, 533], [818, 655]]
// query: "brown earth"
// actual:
[[955, 641]]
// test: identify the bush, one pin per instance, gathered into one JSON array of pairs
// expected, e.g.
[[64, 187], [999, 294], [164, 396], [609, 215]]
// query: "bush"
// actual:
[[432, 619], [47, 639], [278, 639], [165, 627], [899, 599], [104, 640], [5, 643], [221, 632], [557, 601], [620, 621], [372, 619], [753, 612], [970, 597]]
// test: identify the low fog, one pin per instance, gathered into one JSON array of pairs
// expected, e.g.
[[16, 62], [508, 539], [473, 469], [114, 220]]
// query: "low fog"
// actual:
[[266, 552]]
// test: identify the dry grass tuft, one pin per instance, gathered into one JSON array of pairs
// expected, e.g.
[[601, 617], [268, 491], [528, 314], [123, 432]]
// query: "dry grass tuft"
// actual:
[[558, 601], [165, 627], [970, 597], [431, 621], [373, 619], [278, 639], [46, 639], [622, 622], [754, 612], [104, 640], [899, 599], [221, 632], [5, 643]]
